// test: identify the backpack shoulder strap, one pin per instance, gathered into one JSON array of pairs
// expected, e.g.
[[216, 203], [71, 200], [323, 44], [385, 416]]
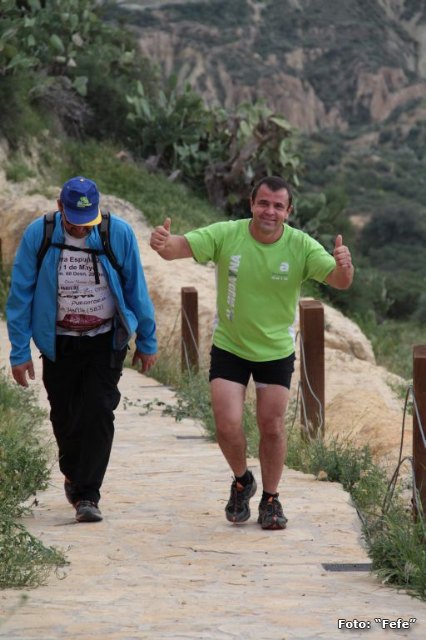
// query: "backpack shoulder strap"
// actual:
[[49, 226], [49, 222], [103, 227]]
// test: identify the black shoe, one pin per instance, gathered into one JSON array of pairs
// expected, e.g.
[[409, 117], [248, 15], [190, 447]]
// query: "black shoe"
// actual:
[[69, 491], [238, 510], [87, 511], [271, 514]]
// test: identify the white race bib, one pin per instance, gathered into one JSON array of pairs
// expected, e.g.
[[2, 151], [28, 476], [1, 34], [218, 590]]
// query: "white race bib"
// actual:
[[84, 307]]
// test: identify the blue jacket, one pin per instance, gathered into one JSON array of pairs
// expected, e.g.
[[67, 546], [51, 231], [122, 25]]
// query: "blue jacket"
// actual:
[[32, 303]]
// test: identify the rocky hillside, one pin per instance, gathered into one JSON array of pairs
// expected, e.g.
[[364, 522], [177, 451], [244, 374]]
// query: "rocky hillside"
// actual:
[[324, 64]]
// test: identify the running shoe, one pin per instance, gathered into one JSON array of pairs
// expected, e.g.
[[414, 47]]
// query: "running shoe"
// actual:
[[87, 511], [271, 514], [238, 510]]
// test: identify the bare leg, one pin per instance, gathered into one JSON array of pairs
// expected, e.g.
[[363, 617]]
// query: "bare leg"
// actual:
[[228, 406], [272, 403]]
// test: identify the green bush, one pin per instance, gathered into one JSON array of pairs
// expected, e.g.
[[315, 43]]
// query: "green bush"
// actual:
[[221, 153], [18, 171], [323, 216], [20, 119], [394, 225], [336, 460], [25, 462], [220, 14], [393, 342], [62, 59], [366, 298], [397, 549], [26, 561], [419, 315]]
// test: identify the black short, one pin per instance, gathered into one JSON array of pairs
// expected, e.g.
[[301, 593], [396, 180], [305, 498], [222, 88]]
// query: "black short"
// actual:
[[228, 366]]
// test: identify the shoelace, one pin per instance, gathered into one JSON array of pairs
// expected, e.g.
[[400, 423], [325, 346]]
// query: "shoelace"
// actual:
[[239, 496], [86, 503], [274, 507]]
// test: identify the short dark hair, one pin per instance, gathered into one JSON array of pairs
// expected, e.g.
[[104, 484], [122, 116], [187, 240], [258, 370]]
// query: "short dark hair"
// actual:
[[274, 183]]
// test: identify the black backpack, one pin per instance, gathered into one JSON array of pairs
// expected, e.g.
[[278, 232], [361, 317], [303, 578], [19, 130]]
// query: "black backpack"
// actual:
[[103, 228]]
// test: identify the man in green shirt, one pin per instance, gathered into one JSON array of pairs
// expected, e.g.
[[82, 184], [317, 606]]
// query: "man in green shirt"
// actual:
[[261, 264]]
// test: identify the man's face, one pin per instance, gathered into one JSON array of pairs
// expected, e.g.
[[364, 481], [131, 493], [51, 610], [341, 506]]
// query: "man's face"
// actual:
[[270, 210], [76, 231]]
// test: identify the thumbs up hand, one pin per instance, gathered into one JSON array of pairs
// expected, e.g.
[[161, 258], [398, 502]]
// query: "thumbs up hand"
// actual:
[[342, 254], [161, 235], [170, 246]]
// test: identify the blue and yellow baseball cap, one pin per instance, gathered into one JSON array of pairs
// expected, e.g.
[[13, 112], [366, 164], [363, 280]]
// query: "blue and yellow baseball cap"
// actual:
[[80, 199]]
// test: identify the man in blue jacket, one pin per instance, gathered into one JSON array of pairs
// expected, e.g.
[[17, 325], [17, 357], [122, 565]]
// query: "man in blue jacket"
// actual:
[[80, 312]]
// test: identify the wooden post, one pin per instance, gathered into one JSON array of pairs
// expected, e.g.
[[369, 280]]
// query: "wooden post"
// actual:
[[312, 366], [419, 449], [189, 353]]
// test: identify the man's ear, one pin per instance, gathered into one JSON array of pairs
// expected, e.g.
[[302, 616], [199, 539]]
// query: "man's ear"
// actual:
[[60, 207]]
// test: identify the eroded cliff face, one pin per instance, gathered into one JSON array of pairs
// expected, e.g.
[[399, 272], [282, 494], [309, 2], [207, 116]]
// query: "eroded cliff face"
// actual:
[[410, 15], [329, 64]]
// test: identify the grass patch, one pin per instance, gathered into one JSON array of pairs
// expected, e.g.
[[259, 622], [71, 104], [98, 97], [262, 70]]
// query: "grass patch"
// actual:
[[24, 469], [26, 561], [393, 342], [333, 460], [18, 171], [397, 547]]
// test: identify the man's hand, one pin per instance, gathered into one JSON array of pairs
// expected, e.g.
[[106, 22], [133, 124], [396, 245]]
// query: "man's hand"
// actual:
[[167, 245], [341, 254], [19, 373], [143, 361], [160, 236], [341, 277]]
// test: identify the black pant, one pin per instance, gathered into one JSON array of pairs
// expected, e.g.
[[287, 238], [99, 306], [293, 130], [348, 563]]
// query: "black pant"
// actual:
[[82, 390]]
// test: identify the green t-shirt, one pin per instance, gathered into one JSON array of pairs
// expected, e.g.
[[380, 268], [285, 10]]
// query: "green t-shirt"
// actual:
[[258, 285]]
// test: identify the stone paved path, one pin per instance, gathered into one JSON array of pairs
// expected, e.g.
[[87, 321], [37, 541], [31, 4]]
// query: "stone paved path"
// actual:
[[164, 563]]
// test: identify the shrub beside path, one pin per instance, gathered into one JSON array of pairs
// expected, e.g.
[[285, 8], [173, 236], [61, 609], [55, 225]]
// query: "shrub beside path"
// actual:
[[164, 563]]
